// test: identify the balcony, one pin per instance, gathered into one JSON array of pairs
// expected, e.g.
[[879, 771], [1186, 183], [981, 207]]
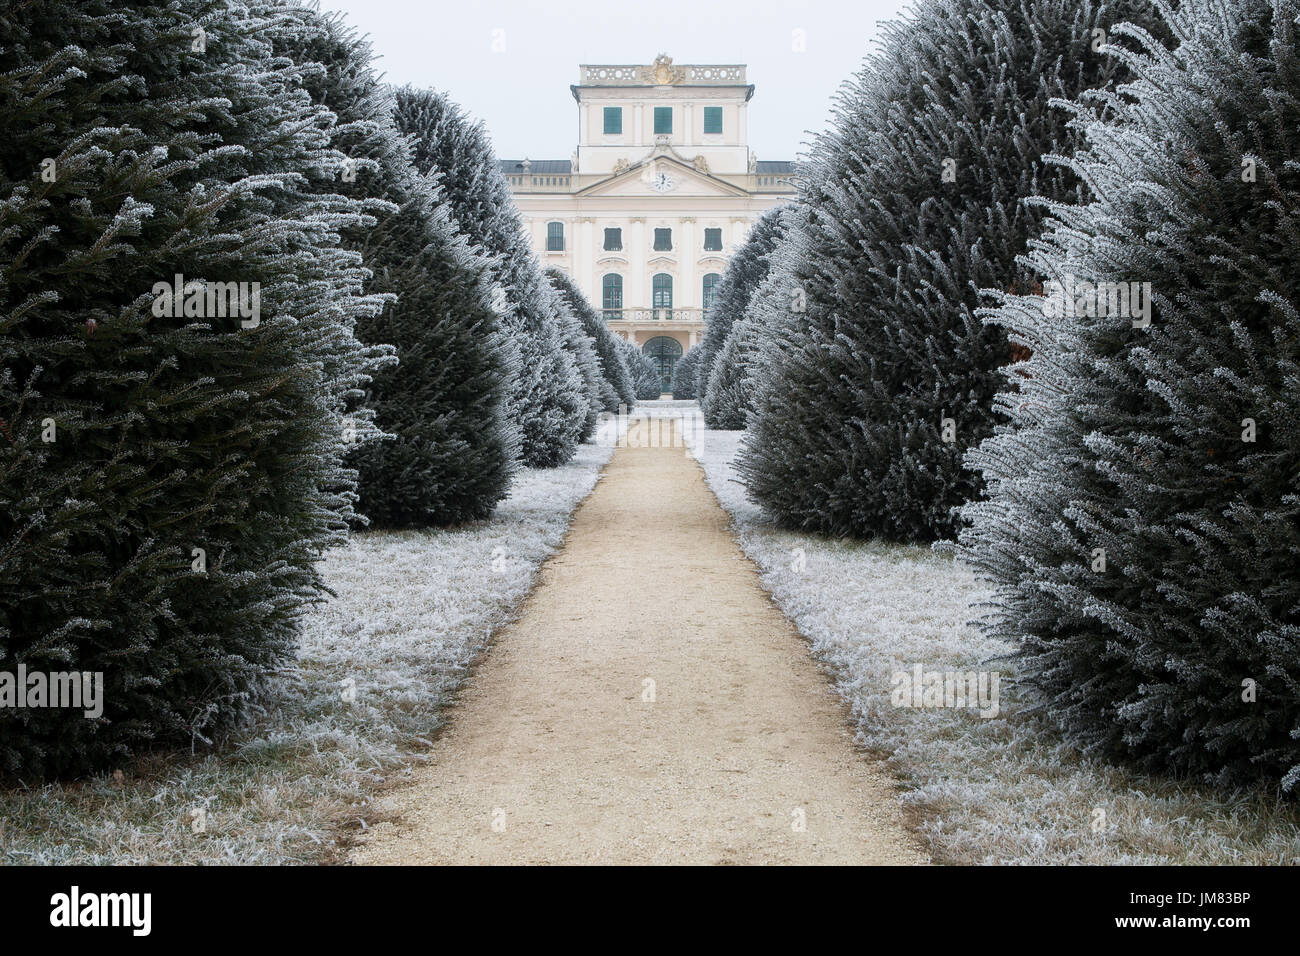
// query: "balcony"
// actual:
[[643, 316]]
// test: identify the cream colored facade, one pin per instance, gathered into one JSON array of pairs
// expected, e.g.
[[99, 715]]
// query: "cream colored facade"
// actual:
[[662, 188]]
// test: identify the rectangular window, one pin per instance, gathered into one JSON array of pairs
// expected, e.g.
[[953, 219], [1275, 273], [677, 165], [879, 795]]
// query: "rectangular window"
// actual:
[[663, 240], [712, 240], [555, 237], [663, 119], [713, 119], [613, 120], [613, 240]]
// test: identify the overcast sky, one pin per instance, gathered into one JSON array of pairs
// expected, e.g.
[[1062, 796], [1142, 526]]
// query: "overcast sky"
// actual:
[[523, 94]]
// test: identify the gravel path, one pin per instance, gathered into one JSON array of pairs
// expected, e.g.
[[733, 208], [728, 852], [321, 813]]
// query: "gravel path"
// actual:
[[560, 750]]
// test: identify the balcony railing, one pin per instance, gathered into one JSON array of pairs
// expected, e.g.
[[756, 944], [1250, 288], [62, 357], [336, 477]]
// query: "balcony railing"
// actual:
[[653, 315], [724, 74]]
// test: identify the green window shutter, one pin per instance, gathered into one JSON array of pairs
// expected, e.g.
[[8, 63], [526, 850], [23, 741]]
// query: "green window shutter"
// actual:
[[555, 237], [663, 240], [712, 240], [663, 119], [713, 119], [613, 119], [613, 240]]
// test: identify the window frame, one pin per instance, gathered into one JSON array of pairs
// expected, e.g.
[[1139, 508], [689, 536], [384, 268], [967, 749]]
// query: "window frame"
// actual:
[[709, 290], [713, 111], [606, 247], [713, 229], [609, 291], [668, 230], [663, 111], [656, 288], [612, 111], [553, 234]]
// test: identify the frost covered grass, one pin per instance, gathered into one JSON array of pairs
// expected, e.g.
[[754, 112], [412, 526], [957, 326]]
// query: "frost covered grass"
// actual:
[[377, 664], [1001, 790]]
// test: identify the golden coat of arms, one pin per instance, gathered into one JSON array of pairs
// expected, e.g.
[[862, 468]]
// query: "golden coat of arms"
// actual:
[[663, 72]]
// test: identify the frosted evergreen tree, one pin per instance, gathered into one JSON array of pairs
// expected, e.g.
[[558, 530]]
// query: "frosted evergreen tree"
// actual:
[[177, 361], [684, 375], [582, 348], [616, 383], [1143, 524], [549, 397], [645, 375], [454, 447], [728, 391], [914, 205], [729, 395], [745, 271]]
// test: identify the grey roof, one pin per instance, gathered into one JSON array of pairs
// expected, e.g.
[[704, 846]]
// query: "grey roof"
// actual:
[[774, 166], [540, 167]]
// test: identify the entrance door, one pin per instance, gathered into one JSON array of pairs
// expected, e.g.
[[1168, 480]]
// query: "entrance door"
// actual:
[[664, 352]]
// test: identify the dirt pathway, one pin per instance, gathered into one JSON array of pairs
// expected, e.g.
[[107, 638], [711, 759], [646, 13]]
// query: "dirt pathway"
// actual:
[[555, 754]]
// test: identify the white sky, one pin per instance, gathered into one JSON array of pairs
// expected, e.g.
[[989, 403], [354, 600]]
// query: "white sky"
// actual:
[[523, 92]]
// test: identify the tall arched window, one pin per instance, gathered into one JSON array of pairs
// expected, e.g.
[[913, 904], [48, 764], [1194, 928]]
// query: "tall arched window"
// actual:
[[611, 295], [662, 287], [710, 289]]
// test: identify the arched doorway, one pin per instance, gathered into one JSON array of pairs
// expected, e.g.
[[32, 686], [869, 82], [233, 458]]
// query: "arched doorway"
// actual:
[[664, 352]]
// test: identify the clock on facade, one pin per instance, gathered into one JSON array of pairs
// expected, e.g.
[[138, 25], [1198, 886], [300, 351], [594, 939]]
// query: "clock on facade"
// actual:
[[662, 183]]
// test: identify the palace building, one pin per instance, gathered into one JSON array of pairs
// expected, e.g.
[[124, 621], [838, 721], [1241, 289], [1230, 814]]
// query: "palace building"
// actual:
[[662, 188]]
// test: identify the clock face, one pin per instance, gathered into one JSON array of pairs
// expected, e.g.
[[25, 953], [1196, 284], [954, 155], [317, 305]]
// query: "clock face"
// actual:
[[662, 183]]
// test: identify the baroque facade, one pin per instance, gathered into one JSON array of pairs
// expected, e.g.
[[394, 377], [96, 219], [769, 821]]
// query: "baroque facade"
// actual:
[[662, 188]]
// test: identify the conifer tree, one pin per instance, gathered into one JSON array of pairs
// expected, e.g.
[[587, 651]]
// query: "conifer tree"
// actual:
[[727, 393], [549, 397], [611, 362], [1143, 526], [745, 272], [685, 374], [915, 203], [453, 447], [177, 359], [581, 346], [645, 376]]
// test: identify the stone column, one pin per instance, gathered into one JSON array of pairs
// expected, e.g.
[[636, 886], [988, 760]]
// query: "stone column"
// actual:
[[635, 290], [584, 262], [688, 296], [739, 231]]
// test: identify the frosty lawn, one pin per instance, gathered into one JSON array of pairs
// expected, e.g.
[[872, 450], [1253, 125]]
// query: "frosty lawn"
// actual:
[[1002, 790], [412, 610]]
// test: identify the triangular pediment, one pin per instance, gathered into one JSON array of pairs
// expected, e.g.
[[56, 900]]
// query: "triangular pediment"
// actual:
[[639, 181]]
